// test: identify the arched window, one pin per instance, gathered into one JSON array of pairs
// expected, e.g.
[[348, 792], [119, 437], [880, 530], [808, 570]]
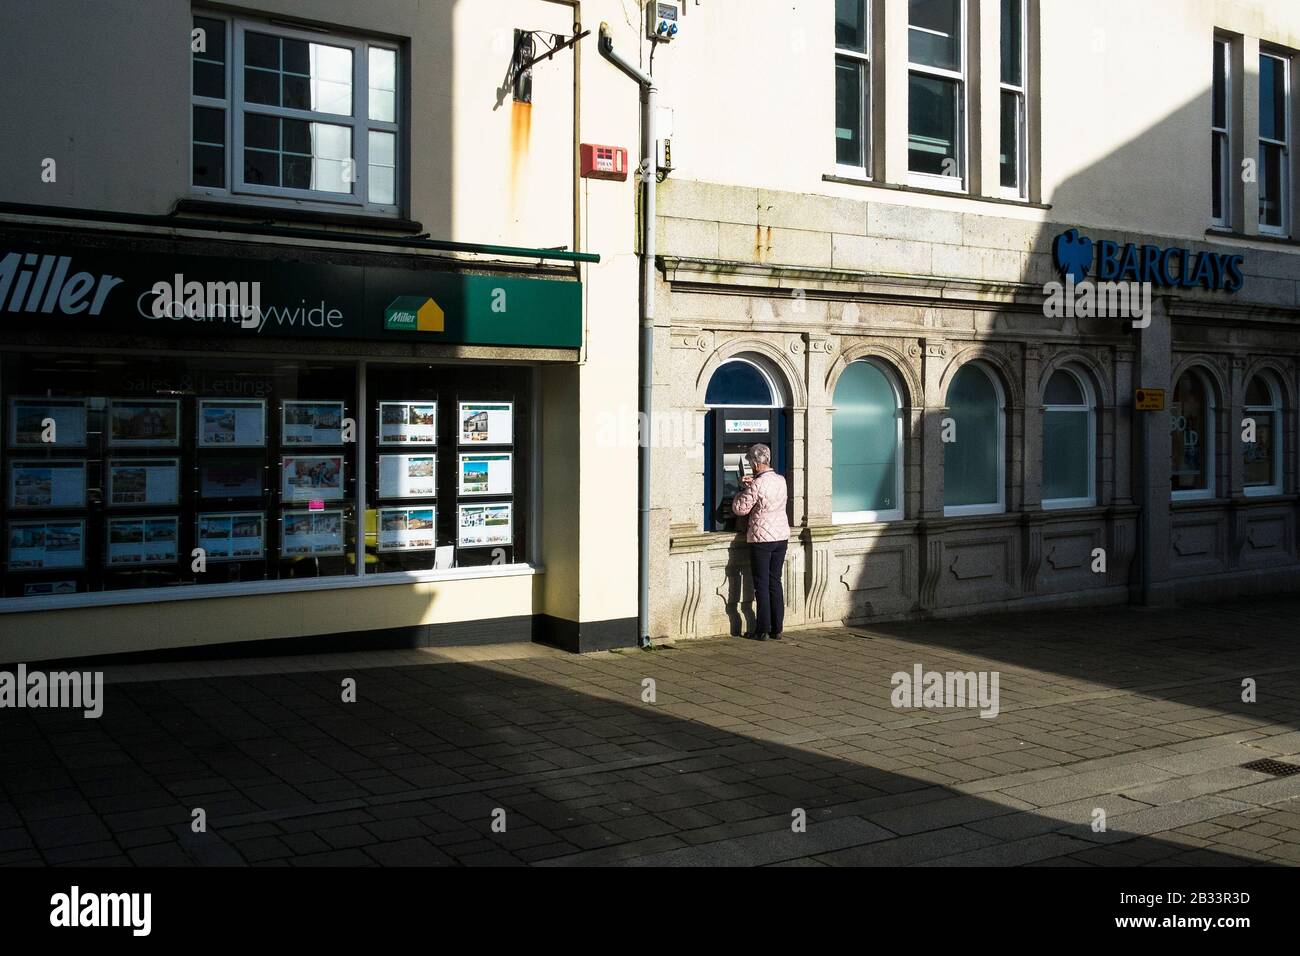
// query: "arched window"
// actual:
[[745, 406], [1262, 458], [866, 446], [1191, 423], [973, 433], [740, 382], [1069, 441]]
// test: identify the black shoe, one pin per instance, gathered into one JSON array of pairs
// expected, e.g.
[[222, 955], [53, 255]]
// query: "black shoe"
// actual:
[[775, 635], [758, 636]]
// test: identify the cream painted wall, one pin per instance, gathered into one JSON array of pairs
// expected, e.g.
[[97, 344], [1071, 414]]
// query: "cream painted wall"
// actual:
[[478, 173], [30, 636]]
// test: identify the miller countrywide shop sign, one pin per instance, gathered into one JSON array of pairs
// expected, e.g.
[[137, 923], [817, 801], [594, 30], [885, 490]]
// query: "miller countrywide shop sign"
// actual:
[[85, 289]]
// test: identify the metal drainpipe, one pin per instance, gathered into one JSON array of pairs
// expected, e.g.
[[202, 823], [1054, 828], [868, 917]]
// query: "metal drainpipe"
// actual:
[[649, 171]]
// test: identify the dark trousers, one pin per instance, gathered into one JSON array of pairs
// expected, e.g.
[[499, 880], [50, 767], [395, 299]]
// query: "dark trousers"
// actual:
[[766, 559]]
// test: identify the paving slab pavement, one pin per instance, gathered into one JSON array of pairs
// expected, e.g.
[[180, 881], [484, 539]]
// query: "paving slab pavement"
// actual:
[[527, 755]]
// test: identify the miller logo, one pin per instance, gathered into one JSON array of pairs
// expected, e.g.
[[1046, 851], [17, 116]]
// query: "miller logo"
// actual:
[[413, 313], [38, 283]]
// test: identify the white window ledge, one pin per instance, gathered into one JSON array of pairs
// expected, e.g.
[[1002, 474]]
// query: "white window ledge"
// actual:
[[199, 592]]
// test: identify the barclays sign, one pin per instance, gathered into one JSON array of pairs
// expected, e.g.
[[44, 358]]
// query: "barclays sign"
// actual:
[[1173, 267]]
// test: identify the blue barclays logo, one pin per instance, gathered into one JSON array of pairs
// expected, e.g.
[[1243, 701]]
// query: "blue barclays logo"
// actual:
[[1076, 255]]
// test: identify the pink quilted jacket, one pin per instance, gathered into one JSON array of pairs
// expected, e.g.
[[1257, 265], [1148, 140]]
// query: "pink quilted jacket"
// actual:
[[764, 502]]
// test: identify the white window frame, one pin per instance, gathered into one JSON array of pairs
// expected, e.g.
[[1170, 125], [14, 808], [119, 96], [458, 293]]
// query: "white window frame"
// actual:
[[1089, 407], [865, 94], [1221, 138], [893, 514], [960, 182], [1021, 93], [1284, 229], [1000, 506], [1211, 426], [359, 122], [1274, 409]]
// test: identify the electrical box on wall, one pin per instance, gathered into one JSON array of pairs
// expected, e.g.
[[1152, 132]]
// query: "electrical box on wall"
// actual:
[[661, 20], [603, 162]]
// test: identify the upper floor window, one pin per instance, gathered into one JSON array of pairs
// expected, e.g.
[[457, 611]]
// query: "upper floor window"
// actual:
[[1274, 139], [1221, 135], [974, 433], [1261, 447], [1069, 442], [853, 86], [279, 113], [1013, 122], [936, 93]]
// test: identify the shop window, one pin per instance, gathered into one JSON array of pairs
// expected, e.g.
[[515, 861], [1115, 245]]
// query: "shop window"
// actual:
[[122, 473], [936, 94], [1274, 143], [853, 86], [1262, 456], [1069, 441], [282, 113], [449, 471], [866, 446], [1191, 414], [1013, 114], [973, 429]]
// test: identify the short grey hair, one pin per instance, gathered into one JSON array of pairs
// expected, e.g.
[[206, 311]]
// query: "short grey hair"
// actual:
[[759, 454]]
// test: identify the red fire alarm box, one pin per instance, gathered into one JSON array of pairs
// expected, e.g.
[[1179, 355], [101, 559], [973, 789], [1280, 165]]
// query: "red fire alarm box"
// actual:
[[604, 162]]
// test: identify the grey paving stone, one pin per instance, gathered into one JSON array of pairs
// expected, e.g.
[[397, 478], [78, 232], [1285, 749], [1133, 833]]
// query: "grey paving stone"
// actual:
[[763, 848], [904, 851], [1013, 853]]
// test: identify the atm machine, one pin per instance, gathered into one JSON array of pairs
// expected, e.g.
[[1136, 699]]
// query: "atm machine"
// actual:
[[733, 431]]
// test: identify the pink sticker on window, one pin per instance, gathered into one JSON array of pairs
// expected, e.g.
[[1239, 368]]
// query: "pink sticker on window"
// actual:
[[317, 504]]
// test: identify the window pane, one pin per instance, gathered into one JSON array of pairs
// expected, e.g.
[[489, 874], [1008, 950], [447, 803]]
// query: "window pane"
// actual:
[[261, 50], [934, 33], [1065, 455], [209, 126], [381, 178], [1272, 98], [383, 85], [261, 132], [1011, 41], [1009, 147], [213, 39], [851, 25], [970, 461], [209, 79], [864, 441], [331, 79], [1188, 423], [1063, 389], [848, 113], [1258, 455], [738, 383], [932, 123], [209, 165], [261, 87], [1220, 96], [261, 168], [1270, 184], [1217, 150]]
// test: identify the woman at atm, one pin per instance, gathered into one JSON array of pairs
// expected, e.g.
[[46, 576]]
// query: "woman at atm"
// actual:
[[763, 498]]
